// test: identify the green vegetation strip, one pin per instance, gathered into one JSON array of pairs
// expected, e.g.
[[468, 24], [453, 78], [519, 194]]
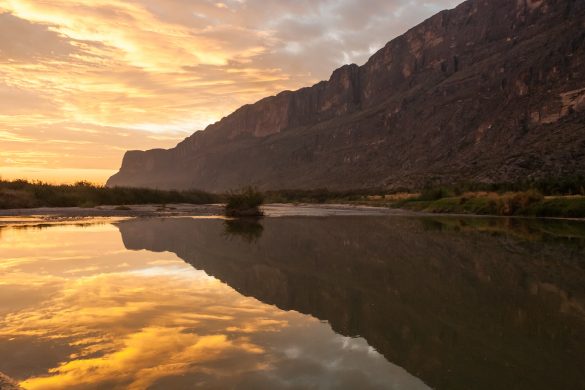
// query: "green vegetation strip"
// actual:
[[24, 194], [508, 204]]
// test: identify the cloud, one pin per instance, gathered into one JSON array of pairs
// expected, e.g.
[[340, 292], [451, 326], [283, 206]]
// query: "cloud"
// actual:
[[21, 40], [47, 151], [176, 66]]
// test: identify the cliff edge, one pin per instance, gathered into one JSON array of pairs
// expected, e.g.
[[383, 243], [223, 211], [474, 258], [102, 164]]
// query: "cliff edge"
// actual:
[[489, 91]]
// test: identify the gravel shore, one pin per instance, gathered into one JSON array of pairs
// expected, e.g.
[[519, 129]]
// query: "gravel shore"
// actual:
[[77, 214]]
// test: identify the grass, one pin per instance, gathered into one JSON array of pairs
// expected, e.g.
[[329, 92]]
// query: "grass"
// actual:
[[570, 207], [25, 194], [524, 203], [244, 203]]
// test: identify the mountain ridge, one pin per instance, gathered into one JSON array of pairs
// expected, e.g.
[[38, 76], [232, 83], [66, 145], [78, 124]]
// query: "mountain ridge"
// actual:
[[484, 92]]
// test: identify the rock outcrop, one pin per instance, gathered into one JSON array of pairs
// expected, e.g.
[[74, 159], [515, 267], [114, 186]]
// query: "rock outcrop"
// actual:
[[490, 91]]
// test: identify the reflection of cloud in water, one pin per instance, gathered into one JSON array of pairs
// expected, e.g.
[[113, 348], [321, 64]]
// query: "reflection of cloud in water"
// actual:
[[89, 314]]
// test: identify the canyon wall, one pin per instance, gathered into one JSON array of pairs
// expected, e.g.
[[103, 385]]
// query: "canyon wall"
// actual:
[[490, 91]]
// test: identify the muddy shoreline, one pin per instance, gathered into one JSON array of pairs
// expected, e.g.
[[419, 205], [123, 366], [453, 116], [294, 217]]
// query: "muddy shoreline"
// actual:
[[78, 214], [53, 215]]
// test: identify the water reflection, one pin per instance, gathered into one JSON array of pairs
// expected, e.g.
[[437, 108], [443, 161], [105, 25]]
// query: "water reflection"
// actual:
[[78, 310], [460, 303], [249, 229]]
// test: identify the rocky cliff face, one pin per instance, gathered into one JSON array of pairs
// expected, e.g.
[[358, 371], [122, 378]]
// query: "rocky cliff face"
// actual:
[[490, 91]]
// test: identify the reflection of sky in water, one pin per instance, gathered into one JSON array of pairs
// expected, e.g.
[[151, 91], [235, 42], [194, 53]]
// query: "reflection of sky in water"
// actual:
[[77, 310]]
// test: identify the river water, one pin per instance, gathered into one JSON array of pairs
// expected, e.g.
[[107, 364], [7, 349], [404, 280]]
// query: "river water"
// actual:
[[335, 302]]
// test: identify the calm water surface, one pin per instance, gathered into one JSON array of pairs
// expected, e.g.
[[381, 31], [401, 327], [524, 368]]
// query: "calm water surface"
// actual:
[[294, 303]]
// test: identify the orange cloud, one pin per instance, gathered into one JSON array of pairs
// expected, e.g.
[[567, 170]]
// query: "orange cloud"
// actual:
[[143, 66]]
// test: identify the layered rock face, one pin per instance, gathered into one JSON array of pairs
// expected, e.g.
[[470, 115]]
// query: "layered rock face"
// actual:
[[490, 91]]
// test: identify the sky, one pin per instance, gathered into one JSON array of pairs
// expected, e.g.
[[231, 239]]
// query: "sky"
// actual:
[[82, 81]]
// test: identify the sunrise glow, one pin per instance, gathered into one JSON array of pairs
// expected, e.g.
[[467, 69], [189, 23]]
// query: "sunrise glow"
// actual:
[[82, 82]]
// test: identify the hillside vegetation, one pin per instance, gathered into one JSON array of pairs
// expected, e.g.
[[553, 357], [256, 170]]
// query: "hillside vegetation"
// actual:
[[25, 194]]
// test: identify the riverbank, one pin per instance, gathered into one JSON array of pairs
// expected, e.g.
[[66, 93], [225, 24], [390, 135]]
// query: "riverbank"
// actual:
[[77, 214], [547, 199], [510, 204]]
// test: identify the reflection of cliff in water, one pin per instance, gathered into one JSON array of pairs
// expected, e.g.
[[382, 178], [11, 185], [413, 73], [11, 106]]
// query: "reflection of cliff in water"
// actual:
[[460, 305]]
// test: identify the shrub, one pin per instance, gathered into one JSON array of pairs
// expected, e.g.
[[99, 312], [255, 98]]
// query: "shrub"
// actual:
[[24, 194], [244, 203], [512, 203], [435, 194], [15, 199], [569, 207]]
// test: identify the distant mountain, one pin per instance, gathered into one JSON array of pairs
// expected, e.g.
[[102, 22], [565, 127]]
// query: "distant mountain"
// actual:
[[489, 91]]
